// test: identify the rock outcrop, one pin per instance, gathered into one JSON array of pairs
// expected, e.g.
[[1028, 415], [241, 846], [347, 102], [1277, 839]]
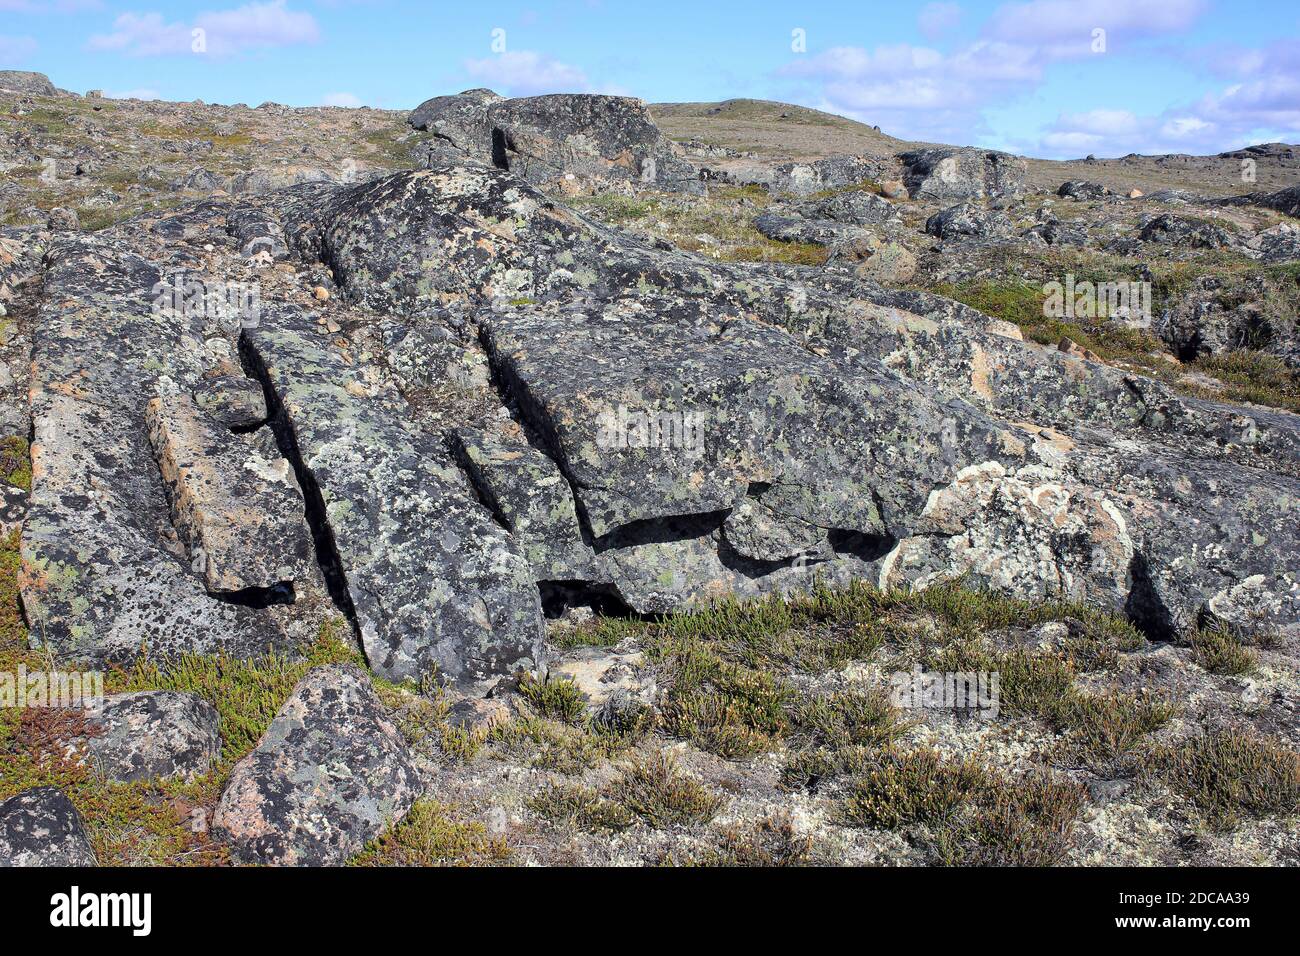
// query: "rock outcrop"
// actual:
[[956, 174], [25, 81]]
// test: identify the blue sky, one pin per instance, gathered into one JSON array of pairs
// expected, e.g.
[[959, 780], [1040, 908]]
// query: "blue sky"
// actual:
[[1055, 78]]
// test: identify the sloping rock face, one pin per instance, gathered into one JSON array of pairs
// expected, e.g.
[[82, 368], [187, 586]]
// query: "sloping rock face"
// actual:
[[329, 775], [543, 139], [25, 81], [41, 827], [956, 174]]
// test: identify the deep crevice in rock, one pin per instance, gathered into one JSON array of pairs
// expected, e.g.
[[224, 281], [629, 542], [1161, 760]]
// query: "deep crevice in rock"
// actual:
[[1144, 607], [327, 554], [258, 598], [602, 599]]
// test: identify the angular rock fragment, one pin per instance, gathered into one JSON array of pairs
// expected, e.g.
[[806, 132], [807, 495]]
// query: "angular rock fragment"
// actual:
[[329, 774], [153, 735], [235, 500], [231, 398], [526, 490], [41, 827]]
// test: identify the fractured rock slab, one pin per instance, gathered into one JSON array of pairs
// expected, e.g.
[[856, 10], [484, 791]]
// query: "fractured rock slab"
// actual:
[[235, 500], [433, 581], [527, 490], [104, 573]]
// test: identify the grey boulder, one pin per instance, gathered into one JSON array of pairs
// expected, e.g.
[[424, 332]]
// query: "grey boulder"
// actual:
[[41, 827], [329, 775]]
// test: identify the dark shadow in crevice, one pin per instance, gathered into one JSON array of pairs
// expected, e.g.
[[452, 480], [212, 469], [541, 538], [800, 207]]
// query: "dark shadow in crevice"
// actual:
[[864, 547], [660, 531], [257, 598], [1143, 607], [602, 599], [500, 148], [327, 554]]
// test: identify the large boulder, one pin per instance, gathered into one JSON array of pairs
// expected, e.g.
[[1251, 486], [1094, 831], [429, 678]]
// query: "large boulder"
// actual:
[[555, 139], [329, 774], [968, 220], [41, 827], [460, 119], [945, 174]]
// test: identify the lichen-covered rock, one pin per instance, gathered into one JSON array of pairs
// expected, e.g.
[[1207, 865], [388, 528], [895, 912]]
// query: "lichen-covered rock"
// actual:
[[41, 827], [104, 573], [821, 232], [549, 139], [945, 173], [968, 220], [1081, 190], [1181, 231], [152, 735], [231, 398], [526, 490], [432, 580], [460, 119], [234, 499], [329, 774]]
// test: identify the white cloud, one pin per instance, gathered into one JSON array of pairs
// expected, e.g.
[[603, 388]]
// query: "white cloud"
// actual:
[[526, 73], [225, 32], [936, 19], [918, 92], [341, 99], [1260, 104], [1063, 23], [16, 49], [49, 6]]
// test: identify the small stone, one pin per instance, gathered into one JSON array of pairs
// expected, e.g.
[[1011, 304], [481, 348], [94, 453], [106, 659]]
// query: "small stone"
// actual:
[[63, 220], [41, 827], [496, 821], [153, 735], [1135, 194], [893, 189], [321, 293]]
